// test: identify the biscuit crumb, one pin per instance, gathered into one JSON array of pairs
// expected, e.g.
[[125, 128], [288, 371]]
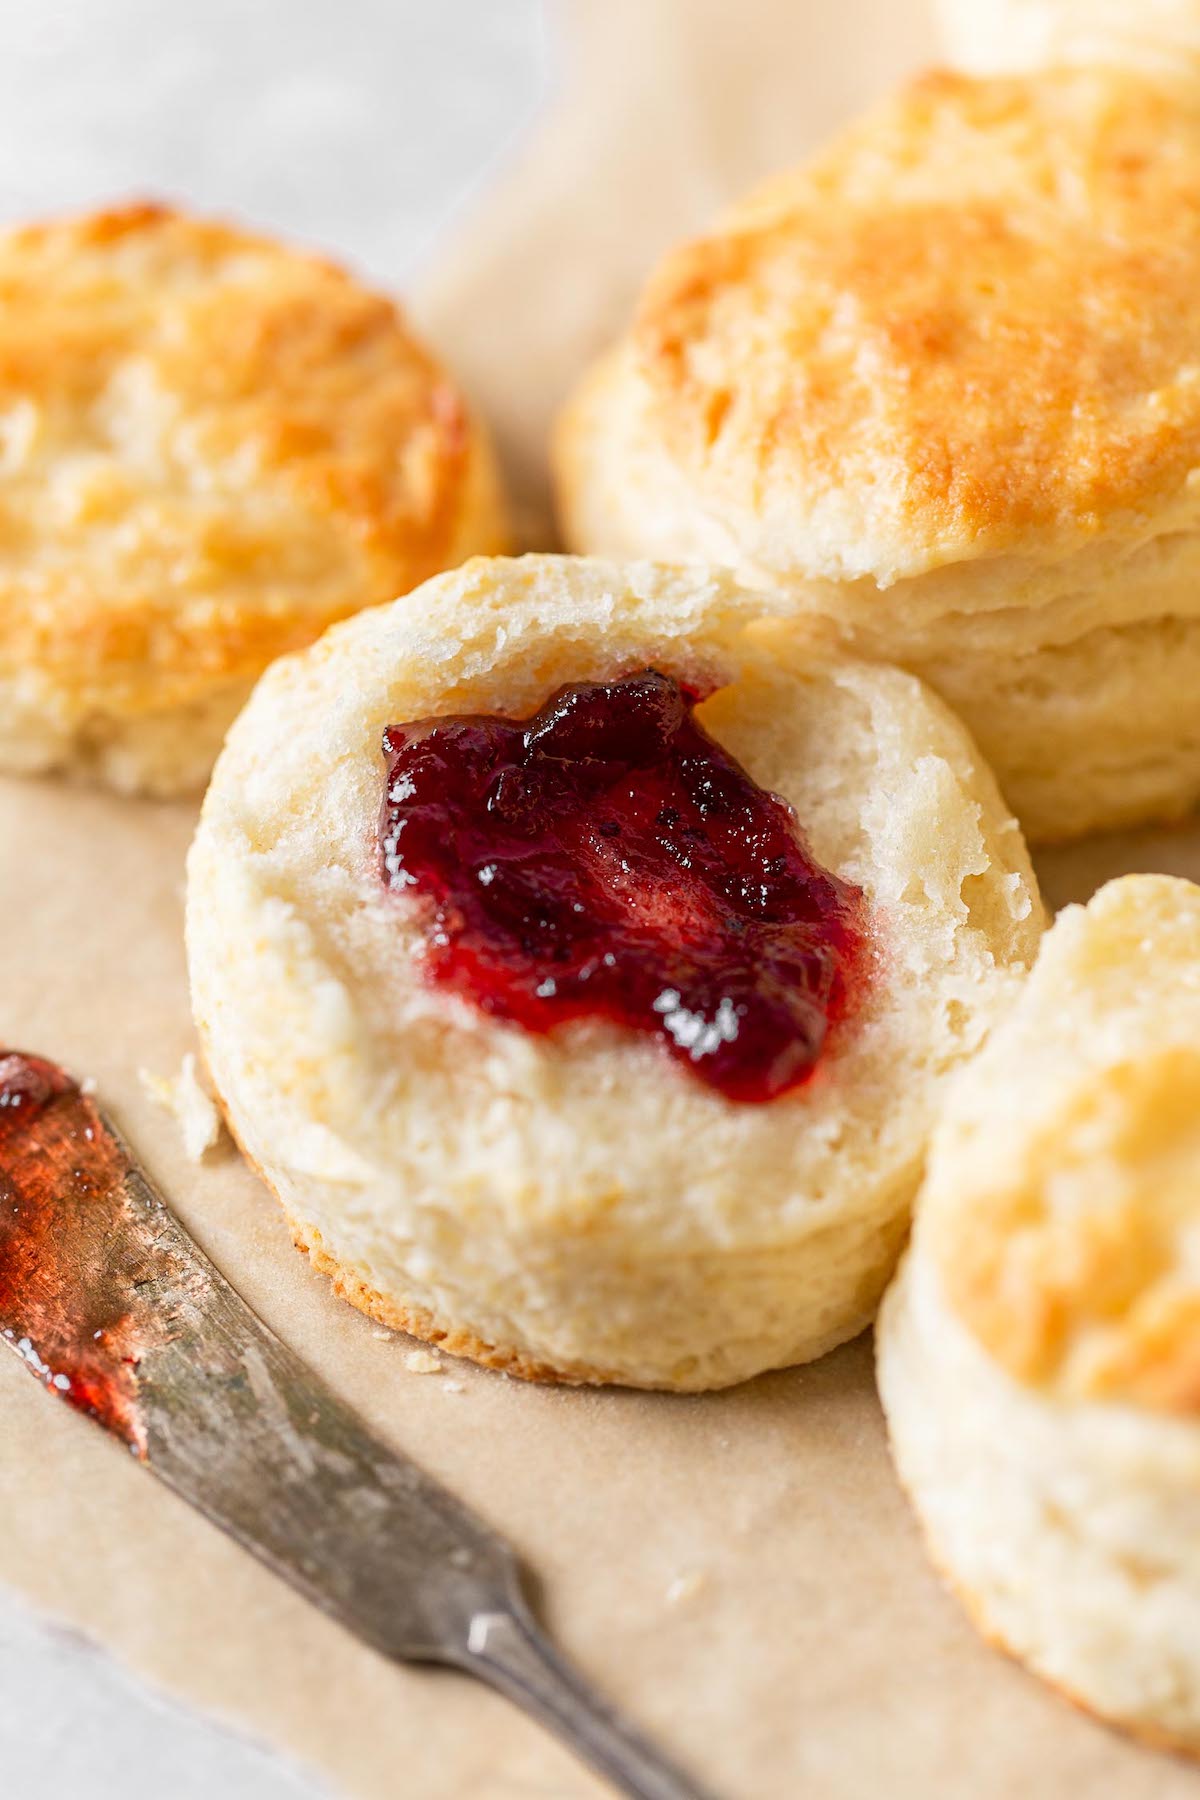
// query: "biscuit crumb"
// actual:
[[455, 1387], [198, 1118], [685, 1586], [423, 1362], [385, 1337]]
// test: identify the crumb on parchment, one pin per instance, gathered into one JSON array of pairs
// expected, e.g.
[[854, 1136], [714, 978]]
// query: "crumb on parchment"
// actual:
[[423, 1362], [685, 1586], [196, 1112]]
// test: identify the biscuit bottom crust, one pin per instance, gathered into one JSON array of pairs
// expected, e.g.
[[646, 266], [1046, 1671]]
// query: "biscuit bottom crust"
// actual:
[[418, 1323], [457, 1340], [415, 1321]]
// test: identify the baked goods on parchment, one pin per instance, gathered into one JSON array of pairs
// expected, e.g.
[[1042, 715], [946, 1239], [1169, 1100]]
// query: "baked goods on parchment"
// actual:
[[1039, 1353], [588, 1193], [211, 447]]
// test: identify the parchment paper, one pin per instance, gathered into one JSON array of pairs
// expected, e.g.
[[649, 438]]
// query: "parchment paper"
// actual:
[[808, 1650]]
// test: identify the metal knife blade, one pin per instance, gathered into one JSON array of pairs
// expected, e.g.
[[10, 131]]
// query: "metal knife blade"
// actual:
[[108, 1301]]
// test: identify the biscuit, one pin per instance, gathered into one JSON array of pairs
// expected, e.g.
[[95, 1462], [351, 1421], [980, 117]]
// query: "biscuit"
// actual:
[[211, 447], [577, 1204], [993, 37], [942, 387], [1039, 1353]]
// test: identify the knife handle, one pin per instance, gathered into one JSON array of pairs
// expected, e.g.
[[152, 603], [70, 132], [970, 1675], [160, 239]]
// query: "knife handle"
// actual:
[[508, 1651]]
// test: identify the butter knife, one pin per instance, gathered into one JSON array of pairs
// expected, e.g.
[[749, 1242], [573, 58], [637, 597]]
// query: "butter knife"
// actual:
[[110, 1304]]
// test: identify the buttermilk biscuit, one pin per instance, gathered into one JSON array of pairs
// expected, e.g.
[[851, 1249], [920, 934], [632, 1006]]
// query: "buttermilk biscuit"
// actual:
[[1039, 1354], [210, 448], [578, 1205], [944, 387], [991, 37]]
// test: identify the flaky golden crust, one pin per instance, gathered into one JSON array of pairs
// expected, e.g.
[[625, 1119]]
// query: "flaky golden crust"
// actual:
[[972, 326], [211, 447], [1048, 1284], [1061, 1202], [942, 387]]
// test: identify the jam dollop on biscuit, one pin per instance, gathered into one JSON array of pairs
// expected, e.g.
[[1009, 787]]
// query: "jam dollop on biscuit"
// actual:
[[608, 859]]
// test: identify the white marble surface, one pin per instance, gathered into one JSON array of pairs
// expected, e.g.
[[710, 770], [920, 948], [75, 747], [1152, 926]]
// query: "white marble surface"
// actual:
[[363, 126]]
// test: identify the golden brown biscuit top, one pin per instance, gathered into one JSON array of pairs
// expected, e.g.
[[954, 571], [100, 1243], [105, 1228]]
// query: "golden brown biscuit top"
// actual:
[[210, 447], [972, 326], [1063, 1199]]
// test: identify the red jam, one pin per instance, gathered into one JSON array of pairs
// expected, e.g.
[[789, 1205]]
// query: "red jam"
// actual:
[[64, 1287], [607, 859]]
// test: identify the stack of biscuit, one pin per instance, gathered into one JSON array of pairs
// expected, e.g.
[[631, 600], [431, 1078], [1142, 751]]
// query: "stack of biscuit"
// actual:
[[896, 475], [942, 387]]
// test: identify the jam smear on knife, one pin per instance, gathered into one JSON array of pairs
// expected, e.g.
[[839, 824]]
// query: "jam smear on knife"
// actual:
[[64, 1286]]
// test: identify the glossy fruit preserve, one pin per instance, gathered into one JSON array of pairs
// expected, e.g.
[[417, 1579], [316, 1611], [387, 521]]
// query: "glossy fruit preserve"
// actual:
[[64, 1298], [607, 859]]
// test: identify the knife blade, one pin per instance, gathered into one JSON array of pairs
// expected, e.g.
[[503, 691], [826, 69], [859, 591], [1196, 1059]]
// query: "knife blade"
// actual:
[[111, 1305]]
